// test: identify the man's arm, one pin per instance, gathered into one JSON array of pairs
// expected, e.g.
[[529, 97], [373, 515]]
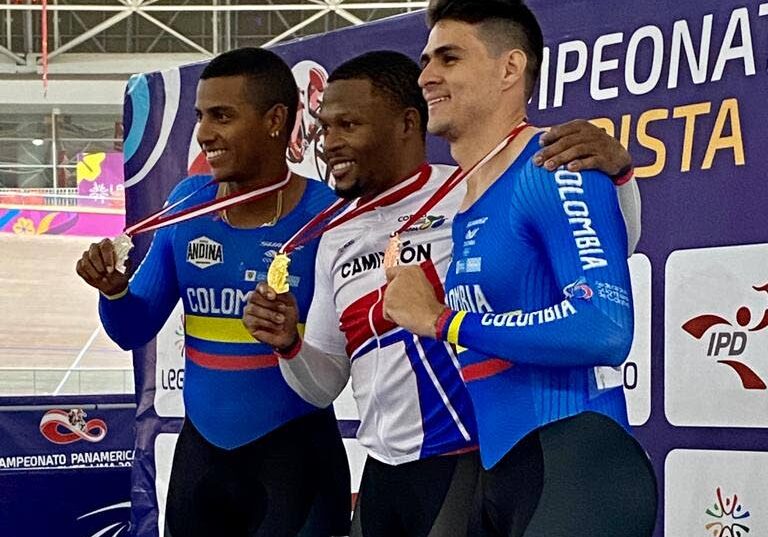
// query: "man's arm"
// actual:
[[133, 312], [317, 377], [591, 324], [135, 318], [631, 210], [317, 367], [579, 145]]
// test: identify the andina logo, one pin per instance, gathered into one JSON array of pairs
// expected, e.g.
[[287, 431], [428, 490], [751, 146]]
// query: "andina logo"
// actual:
[[729, 342], [729, 517], [65, 427], [204, 252]]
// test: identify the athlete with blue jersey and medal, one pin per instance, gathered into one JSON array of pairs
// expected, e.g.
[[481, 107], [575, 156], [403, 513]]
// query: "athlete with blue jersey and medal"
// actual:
[[532, 248], [253, 458]]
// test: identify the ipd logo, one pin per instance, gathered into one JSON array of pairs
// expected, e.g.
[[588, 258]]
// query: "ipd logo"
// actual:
[[726, 344]]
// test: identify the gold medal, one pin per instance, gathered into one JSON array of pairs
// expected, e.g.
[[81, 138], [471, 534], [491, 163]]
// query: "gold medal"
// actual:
[[392, 253], [123, 245], [277, 275]]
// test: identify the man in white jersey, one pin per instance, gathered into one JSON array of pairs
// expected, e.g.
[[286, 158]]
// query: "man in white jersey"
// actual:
[[416, 420]]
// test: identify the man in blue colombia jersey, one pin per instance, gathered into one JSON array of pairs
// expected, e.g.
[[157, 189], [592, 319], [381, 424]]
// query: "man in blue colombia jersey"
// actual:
[[253, 457], [416, 417], [538, 295]]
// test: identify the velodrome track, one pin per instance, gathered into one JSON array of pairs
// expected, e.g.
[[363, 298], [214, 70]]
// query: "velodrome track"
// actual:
[[50, 323]]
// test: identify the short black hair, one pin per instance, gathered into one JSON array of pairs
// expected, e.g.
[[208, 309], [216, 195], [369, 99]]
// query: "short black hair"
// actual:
[[270, 79], [504, 24], [392, 73]]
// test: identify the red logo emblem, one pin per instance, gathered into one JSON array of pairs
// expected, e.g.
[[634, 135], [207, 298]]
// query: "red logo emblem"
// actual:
[[65, 427], [730, 343]]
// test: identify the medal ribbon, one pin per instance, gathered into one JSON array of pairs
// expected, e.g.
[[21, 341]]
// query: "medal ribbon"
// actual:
[[159, 219], [458, 177], [313, 229]]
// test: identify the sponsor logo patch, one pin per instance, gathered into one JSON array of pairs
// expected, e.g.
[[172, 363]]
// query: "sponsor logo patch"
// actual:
[[204, 252], [578, 289]]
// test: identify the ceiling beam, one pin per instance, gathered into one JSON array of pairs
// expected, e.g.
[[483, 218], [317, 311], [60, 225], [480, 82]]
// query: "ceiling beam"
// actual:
[[297, 27], [15, 57], [90, 33], [148, 8], [178, 35]]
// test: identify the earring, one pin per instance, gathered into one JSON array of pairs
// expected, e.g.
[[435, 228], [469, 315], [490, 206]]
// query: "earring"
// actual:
[[274, 134]]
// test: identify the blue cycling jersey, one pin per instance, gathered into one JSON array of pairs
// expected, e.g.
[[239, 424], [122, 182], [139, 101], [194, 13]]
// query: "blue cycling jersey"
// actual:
[[540, 289], [233, 389]]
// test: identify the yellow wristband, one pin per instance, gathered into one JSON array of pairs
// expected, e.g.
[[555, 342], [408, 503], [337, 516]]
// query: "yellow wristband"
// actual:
[[453, 327]]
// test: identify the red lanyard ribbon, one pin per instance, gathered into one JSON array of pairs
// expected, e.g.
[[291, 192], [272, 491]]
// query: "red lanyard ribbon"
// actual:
[[458, 177], [313, 228], [162, 219]]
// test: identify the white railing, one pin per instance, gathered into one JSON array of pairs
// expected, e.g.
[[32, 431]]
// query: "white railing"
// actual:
[[81, 381], [59, 197]]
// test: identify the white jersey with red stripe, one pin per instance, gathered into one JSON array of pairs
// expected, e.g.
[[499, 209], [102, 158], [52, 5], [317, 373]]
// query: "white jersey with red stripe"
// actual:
[[409, 393]]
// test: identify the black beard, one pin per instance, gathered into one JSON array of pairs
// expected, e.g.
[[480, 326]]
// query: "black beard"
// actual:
[[351, 193]]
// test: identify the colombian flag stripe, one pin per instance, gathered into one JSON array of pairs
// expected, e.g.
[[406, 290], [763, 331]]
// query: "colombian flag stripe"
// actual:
[[220, 329], [228, 362], [453, 327], [484, 369]]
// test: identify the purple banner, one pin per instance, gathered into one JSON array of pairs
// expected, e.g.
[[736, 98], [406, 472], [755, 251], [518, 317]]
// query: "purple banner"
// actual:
[[683, 85], [65, 469], [65, 503], [72, 436]]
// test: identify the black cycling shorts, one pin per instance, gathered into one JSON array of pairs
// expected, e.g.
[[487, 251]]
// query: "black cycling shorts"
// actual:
[[425, 498], [583, 475], [294, 481]]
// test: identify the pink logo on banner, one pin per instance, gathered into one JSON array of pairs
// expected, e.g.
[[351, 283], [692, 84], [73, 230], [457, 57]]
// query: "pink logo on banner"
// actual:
[[100, 179], [62, 427]]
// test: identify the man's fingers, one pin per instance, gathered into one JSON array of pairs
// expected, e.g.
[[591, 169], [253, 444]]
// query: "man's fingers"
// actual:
[[286, 301], [575, 153], [274, 313], [392, 272], [581, 164], [266, 337], [565, 129], [261, 299], [254, 324], [263, 289], [552, 152], [79, 268], [89, 271], [272, 318], [281, 303], [94, 256], [571, 153], [108, 256]]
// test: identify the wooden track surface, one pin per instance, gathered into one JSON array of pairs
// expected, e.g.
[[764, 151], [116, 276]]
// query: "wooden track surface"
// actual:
[[48, 312]]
